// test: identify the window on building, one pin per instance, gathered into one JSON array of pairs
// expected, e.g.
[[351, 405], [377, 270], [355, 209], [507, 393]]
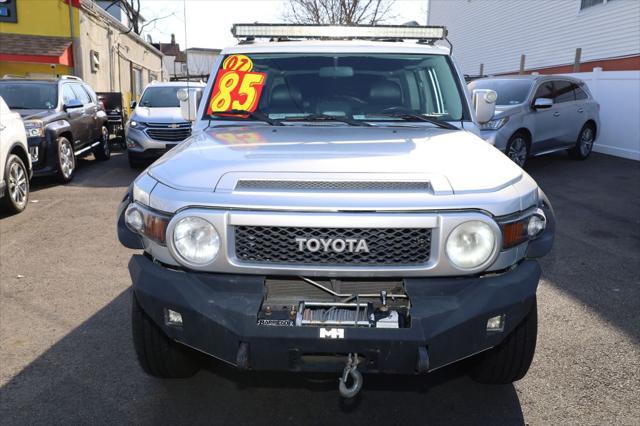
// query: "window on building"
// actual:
[[136, 82], [153, 76], [589, 3], [563, 92]]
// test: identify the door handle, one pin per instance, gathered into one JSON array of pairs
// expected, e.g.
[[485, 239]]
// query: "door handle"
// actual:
[[556, 114], [580, 110]]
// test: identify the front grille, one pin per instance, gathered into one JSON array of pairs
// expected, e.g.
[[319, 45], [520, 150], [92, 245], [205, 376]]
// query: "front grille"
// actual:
[[386, 246], [331, 186], [172, 132]]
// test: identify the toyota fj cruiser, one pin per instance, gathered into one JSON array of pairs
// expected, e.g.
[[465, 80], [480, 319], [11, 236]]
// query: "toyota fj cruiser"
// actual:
[[333, 211]]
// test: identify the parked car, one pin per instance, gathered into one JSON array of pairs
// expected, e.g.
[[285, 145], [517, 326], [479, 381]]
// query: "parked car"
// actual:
[[539, 114], [63, 120], [116, 115], [156, 125], [15, 164], [331, 213]]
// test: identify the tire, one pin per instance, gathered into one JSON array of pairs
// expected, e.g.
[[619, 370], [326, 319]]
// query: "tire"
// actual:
[[584, 144], [102, 152], [135, 163], [518, 149], [158, 355], [16, 176], [510, 360], [66, 160]]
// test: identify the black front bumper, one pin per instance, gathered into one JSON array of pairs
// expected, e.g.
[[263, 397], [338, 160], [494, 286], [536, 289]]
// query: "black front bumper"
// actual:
[[448, 320]]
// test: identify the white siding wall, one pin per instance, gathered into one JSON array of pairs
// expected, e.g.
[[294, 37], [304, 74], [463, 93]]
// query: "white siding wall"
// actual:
[[618, 93], [497, 32]]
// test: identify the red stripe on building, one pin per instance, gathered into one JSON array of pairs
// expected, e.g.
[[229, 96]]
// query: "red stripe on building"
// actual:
[[65, 59], [630, 63]]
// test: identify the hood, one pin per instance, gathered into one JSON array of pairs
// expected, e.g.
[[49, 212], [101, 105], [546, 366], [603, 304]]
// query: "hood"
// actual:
[[460, 159], [33, 114], [504, 110], [157, 115]]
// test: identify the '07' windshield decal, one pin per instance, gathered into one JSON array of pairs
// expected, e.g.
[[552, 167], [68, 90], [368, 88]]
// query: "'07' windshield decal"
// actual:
[[236, 86]]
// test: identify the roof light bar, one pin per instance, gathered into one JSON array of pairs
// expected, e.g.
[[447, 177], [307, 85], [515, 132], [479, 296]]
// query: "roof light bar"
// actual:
[[338, 31]]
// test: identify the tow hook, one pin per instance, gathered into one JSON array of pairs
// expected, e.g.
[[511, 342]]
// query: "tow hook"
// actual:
[[351, 369]]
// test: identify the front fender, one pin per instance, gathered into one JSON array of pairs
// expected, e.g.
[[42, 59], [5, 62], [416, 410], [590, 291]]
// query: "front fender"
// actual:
[[542, 245], [127, 237]]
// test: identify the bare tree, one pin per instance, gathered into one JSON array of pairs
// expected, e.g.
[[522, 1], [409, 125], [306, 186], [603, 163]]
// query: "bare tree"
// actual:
[[131, 9], [338, 12]]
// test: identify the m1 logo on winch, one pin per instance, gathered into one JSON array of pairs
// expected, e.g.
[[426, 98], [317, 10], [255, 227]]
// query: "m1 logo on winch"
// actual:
[[332, 333]]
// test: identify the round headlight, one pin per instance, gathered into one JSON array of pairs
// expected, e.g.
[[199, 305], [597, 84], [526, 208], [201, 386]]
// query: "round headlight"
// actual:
[[133, 218], [196, 240], [470, 244]]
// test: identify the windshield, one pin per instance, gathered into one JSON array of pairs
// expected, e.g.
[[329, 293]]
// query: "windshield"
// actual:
[[510, 91], [369, 87], [161, 97], [23, 95]]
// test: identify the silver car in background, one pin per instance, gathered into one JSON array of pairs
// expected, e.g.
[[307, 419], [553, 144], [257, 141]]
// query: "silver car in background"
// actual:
[[537, 115], [156, 124]]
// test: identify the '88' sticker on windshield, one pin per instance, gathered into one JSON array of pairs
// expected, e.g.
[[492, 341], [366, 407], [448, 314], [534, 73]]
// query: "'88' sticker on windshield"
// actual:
[[236, 86]]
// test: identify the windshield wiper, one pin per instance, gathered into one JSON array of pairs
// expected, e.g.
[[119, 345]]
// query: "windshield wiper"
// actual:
[[418, 117], [256, 115], [328, 117]]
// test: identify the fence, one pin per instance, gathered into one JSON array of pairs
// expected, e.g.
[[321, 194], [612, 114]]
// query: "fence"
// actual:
[[618, 93]]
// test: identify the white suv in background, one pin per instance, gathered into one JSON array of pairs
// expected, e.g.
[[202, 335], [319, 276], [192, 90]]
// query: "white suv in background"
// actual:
[[15, 164], [156, 125]]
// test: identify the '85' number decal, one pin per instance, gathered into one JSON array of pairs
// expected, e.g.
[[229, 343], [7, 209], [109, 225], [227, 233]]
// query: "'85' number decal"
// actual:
[[236, 87]]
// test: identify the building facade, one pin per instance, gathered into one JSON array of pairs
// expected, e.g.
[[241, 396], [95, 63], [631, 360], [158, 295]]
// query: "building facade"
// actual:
[[77, 37], [546, 36]]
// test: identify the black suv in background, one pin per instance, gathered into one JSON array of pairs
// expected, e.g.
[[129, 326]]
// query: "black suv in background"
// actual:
[[63, 120]]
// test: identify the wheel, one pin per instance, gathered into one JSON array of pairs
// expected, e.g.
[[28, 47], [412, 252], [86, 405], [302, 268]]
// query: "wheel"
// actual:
[[584, 144], [510, 360], [518, 149], [135, 163], [17, 178], [102, 152], [66, 160], [158, 355]]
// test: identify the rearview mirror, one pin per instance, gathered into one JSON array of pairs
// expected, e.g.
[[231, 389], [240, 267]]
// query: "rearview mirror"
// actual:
[[134, 104], [72, 104], [484, 102], [543, 103], [189, 100]]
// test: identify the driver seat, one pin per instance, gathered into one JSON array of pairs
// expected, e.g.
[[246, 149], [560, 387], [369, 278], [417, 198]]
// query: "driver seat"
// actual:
[[384, 94]]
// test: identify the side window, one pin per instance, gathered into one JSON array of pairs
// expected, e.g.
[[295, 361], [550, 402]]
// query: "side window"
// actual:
[[544, 91], [68, 94], [564, 92], [580, 94], [81, 94], [92, 94]]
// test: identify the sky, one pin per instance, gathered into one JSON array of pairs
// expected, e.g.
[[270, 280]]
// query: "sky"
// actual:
[[208, 22]]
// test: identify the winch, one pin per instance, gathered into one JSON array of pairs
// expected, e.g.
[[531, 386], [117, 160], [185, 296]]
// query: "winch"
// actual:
[[333, 305]]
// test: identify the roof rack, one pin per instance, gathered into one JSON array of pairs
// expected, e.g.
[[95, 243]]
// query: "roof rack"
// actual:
[[285, 32], [70, 77]]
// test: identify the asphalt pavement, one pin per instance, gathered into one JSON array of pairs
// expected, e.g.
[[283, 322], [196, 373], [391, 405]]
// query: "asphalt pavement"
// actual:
[[65, 342]]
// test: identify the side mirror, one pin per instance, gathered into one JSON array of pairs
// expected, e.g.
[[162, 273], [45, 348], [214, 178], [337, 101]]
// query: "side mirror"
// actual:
[[72, 104], [484, 102], [189, 101], [134, 104], [543, 103]]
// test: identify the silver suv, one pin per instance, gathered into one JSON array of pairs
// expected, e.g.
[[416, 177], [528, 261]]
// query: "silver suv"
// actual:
[[335, 212], [156, 125], [537, 115]]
